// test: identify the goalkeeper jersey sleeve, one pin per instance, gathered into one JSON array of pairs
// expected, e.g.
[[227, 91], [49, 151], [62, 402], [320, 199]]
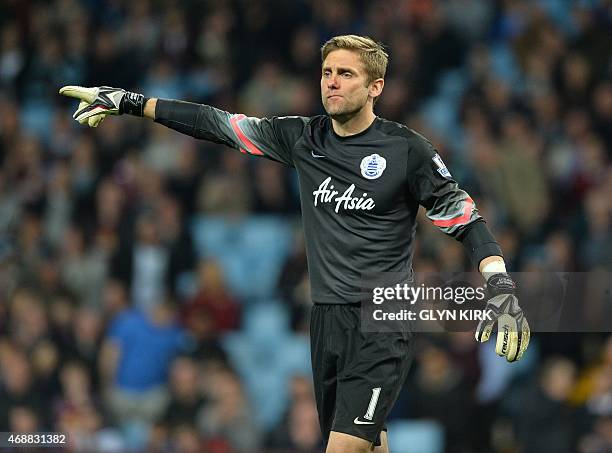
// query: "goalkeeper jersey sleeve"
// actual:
[[431, 184], [271, 138]]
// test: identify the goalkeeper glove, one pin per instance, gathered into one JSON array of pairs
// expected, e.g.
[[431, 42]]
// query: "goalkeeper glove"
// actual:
[[512, 327], [99, 102]]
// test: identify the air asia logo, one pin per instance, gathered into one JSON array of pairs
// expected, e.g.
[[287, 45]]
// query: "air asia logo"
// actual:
[[327, 194], [372, 166]]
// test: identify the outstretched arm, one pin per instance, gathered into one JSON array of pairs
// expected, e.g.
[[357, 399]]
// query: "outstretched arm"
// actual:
[[272, 138]]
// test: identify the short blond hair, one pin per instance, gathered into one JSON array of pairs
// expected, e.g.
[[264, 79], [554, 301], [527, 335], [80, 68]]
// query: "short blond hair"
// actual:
[[371, 53]]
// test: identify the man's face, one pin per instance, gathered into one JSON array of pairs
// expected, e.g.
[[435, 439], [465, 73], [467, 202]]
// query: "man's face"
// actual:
[[344, 87]]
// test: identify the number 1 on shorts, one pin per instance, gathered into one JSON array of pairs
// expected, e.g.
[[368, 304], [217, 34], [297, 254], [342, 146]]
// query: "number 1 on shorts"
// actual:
[[372, 406]]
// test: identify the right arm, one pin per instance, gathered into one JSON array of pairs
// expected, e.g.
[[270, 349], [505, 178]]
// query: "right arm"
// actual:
[[272, 138]]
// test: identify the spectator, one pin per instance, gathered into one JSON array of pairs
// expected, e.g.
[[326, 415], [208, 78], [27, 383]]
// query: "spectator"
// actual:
[[547, 420], [77, 412], [294, 286], [440, 392], [83, 269], [228, 408], [299, 430], [21, 403], [133, 371], [213, 302], [185, 397], [144, 264], [86, 339]]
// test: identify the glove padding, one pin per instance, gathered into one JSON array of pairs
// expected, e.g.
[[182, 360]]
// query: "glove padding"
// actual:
[[512, 327], [99, 102], [96, 103]]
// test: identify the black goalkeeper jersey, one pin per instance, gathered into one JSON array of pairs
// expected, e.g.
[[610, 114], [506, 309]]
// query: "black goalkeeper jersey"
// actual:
[[359, 194]]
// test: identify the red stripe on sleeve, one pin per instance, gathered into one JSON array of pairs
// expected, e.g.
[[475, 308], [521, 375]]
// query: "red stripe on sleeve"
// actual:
[[463, 219], [250, 146]]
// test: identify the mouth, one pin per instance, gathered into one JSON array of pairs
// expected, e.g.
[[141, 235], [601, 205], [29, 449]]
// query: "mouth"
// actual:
[[334, 96]]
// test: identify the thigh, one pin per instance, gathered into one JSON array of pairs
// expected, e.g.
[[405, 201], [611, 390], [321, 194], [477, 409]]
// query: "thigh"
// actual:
[[372, 374], [346, 443]]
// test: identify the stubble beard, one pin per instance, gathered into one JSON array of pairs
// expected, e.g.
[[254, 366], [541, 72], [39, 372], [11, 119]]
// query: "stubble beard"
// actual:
[[343, 114]]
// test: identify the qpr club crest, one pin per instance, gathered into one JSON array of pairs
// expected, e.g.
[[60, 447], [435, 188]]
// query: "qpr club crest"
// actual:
[[372, 166]]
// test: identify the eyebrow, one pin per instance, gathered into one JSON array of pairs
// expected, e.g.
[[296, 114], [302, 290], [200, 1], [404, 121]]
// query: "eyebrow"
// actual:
[[340, 69]]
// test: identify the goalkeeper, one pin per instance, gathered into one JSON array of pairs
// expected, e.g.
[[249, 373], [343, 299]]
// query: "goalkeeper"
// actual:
[[362, 179]]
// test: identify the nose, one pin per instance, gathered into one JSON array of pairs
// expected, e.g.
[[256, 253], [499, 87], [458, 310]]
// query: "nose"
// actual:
[[333, 82]]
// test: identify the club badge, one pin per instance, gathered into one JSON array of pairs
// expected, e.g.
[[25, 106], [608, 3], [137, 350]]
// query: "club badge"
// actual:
[[372, 166]]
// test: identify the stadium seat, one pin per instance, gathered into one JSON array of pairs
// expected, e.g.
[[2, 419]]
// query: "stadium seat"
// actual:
[[415, 436], [266, 354], [250, 251]]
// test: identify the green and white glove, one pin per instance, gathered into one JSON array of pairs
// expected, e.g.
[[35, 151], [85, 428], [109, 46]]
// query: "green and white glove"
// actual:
[[99, 102], [512, 328]]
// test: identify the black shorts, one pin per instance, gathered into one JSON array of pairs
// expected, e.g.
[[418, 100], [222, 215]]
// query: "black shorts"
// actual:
[[357, 375]]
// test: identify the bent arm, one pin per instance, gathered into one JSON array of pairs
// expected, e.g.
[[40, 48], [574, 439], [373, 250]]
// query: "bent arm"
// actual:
[[450, 208]]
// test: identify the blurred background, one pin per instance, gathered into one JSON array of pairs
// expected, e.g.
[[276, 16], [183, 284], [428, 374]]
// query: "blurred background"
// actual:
[[153, 288]]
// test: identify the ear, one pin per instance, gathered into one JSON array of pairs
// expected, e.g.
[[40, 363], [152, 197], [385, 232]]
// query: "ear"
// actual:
[[375, 88]]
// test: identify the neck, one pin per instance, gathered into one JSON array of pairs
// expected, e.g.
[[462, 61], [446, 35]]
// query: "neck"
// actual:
[[354, 124]]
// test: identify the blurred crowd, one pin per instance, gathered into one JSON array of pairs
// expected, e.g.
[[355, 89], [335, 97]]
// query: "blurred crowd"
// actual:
[[153, 288]]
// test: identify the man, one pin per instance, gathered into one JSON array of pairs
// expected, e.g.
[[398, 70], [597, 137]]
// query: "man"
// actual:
[[361, 179]]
